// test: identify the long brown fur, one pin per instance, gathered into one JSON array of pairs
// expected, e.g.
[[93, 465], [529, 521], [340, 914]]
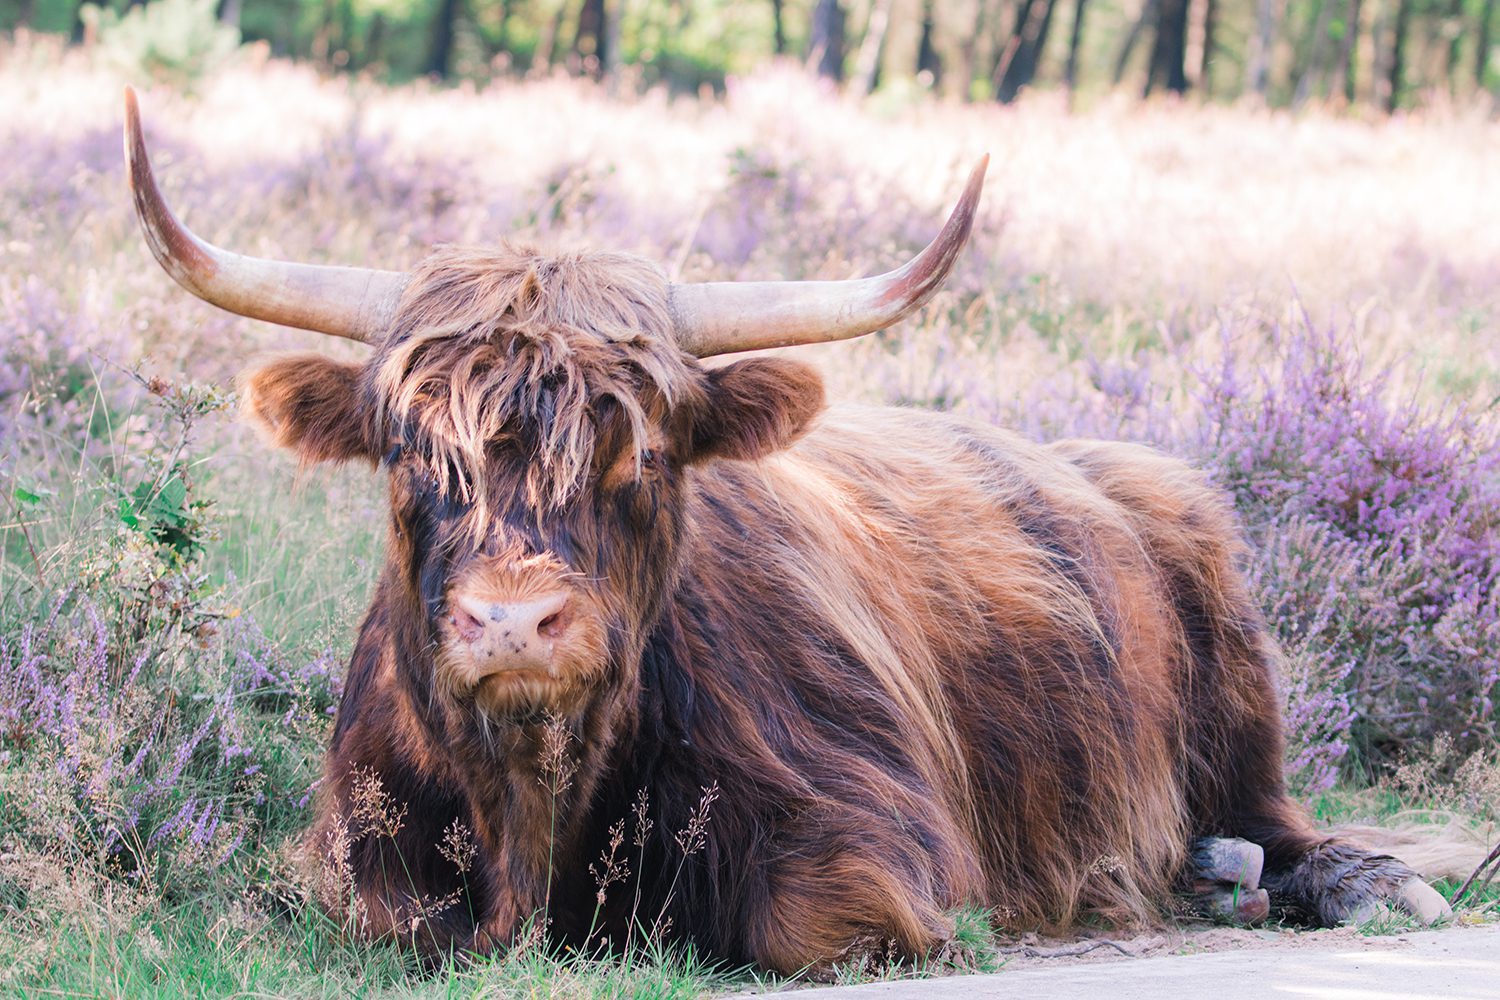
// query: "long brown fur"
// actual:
[[925, 662]]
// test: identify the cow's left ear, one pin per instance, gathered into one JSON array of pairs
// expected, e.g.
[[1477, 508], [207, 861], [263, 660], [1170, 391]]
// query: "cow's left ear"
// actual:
[[312, 405], [755, 407]]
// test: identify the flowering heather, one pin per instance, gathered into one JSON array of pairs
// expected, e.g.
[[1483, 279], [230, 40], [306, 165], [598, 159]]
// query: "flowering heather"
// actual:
[[154, 761], [1407, 492]]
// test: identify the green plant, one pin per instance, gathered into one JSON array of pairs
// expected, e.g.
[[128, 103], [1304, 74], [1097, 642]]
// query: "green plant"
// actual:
[[176, 42]]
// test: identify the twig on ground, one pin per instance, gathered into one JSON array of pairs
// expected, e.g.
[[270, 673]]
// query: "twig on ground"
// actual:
[[1489, 860], [1082, 948]]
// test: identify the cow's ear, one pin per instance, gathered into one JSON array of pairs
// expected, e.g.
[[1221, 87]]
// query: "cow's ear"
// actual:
[[755, 407], [310, 404]]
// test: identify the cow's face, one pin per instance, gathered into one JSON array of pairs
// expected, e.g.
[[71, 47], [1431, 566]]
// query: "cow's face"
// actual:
[[539, 461]]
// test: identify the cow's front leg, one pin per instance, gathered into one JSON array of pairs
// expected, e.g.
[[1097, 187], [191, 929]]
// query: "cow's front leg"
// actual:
[[514, 890]]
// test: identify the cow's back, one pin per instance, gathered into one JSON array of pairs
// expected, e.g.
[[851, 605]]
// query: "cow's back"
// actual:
[[910, 614]]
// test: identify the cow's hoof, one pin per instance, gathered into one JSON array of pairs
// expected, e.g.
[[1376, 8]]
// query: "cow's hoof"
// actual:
[[1227, 861], [1416, 899], [1423, 902], [1224, 874], [1235, 905]]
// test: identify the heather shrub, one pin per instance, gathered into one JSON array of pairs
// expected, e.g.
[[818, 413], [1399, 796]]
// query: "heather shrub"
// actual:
[[151, 735], [1375, 516], [1372, 509]]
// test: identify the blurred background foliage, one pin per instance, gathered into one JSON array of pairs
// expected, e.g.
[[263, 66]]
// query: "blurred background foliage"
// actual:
[[1375, 54]]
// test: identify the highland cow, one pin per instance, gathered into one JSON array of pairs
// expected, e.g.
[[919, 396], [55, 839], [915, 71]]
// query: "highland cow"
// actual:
[[827, 673]]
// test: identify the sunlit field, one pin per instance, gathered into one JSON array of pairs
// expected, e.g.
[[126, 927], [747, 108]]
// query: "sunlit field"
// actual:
[[1306, 306]]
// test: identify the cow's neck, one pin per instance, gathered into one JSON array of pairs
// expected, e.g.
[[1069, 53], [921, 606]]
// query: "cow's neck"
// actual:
[[530, 782]]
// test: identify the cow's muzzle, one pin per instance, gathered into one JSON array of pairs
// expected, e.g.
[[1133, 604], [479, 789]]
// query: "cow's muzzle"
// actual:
[[504, 636]]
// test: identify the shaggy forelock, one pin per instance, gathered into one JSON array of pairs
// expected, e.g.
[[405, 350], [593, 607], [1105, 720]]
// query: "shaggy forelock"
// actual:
[[507, 345]]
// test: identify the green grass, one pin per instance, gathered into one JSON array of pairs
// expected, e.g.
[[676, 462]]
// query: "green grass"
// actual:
[[203, 950]]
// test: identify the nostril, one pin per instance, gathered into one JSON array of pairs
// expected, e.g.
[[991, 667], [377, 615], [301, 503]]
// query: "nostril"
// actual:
[[468, 627], [555, 624]]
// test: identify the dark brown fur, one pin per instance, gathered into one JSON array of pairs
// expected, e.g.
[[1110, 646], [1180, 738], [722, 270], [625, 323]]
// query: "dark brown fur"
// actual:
[[925, 662]]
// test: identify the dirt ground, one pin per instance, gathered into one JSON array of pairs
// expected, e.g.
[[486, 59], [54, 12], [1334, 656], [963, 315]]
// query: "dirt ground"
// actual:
[[1033, 951], [1453, 963]]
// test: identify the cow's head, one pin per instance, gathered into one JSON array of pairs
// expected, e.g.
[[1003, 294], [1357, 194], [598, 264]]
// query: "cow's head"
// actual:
[[539, 417]]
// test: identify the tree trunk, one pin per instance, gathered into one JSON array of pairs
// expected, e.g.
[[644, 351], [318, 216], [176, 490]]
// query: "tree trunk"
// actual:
[[589, 41], [968, 51], [1075, 39], [1398, 55], [867, 63], [609, 61], [778, 26], [1122, 61], [440, 57], [1169, 50], [1482, 45], [1200, 42], [23, 14], [1308, 74], [1031, 39], [1455, 28], [826, 40], [1005, 51], [1258, 68], [1344, 75], [546, 43], [375, 40], [928, 60]]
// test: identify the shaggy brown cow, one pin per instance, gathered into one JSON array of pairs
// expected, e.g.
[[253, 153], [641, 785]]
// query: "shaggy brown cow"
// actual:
[[863, 664]]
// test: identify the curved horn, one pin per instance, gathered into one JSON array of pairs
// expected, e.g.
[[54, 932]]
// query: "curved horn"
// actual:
[[721, 317], [357, 303]]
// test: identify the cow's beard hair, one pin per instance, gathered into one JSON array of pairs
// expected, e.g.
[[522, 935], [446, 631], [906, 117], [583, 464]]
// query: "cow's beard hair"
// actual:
[[501, 700]]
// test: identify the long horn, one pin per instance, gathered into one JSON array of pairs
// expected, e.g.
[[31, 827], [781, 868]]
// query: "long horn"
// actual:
[[357, 303], [721, 317]]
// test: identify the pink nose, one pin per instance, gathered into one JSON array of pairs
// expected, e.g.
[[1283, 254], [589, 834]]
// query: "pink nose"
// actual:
[[517, 635]]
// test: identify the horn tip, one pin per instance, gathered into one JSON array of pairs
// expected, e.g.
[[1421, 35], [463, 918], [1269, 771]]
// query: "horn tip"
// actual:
[[975, 183], [132, 112], [135, 146]]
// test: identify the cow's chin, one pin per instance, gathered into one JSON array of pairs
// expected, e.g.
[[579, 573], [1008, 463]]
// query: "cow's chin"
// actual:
[[521, 696], [561, 687]]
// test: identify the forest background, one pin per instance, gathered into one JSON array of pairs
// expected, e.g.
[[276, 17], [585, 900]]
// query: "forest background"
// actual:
[[1379, 54]]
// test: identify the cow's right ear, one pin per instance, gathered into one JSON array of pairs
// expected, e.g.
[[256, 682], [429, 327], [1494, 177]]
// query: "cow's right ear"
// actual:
[[312, 405]]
